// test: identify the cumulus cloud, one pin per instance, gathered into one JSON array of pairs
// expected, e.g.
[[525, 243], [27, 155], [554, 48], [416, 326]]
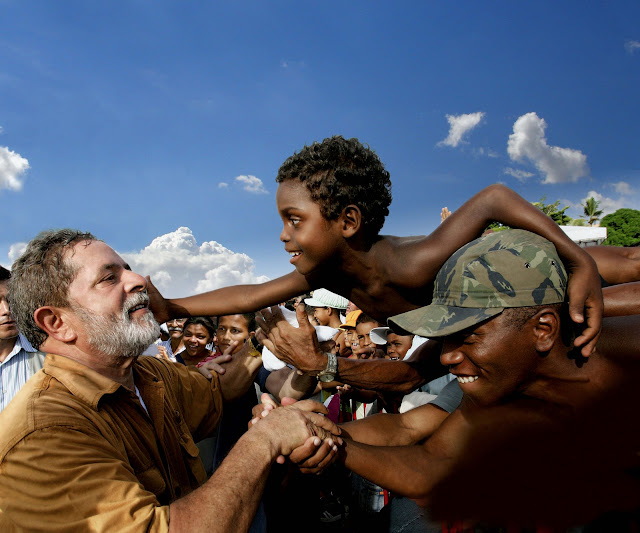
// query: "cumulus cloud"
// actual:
[[223, 185], [179, 266], [12, 169], [252, 184], [558, 165], [459, 126], [520, 175], [622, 187], [632, 46]]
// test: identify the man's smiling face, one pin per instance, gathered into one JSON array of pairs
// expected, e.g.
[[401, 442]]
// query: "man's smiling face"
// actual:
[[491, 360]]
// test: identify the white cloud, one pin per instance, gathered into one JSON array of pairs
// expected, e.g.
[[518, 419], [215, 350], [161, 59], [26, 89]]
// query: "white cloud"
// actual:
[[459, 126], [558, 165], [223, 185], [179, 266], [622, 187], [16, 250], [632, 46], [12, 169], [520, 175], [252, 184]]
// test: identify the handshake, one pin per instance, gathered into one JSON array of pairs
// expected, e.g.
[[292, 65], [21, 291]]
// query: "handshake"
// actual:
[[299, 431]]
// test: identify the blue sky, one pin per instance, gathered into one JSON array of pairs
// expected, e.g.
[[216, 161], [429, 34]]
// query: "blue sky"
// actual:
[[134, 119]]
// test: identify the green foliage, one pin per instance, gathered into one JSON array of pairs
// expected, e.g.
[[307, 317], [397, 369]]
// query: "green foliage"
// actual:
[[591, 211], [496, 226], [552, 211], [578, 222], [623, 227]]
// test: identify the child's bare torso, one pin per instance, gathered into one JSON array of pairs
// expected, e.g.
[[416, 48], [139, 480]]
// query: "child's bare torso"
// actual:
[[390, 279]]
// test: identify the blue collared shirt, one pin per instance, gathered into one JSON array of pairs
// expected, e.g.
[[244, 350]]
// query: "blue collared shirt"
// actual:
[[17, 368]]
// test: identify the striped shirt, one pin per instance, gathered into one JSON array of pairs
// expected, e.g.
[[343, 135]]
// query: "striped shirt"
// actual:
[[17, 368]]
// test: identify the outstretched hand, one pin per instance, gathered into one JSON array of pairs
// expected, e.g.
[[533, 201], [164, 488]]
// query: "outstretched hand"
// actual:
[[157, 303], [320, 449], [214, 365], [295, 346]]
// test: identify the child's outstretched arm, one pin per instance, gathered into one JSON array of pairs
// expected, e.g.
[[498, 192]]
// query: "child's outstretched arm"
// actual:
[[228, 300], [499, 203]]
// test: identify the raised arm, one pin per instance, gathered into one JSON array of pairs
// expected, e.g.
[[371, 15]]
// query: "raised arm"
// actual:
[[229, 300], [616, 264], [622, 300], [499, 203]]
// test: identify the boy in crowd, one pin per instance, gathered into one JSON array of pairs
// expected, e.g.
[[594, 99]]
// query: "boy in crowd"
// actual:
[[327, 307], [333, 198]]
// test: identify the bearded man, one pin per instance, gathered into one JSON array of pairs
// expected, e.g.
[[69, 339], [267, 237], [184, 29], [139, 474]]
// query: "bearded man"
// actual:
[[101, 440]]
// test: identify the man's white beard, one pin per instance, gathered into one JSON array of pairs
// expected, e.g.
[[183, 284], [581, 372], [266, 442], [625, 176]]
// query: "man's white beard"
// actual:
[[117, 336]]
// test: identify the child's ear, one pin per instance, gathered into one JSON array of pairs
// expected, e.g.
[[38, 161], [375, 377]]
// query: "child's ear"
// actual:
[[351, 220]]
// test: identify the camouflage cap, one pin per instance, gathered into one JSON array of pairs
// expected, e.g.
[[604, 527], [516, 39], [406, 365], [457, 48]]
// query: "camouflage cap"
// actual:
[[512, 268]]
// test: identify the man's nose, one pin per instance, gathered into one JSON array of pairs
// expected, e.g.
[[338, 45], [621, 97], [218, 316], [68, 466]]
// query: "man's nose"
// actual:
[[284, 235], [134, 282], [450, 355], [4, 307]]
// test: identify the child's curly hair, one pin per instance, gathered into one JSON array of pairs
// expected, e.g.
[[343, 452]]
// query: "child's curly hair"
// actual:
[[338, 172]]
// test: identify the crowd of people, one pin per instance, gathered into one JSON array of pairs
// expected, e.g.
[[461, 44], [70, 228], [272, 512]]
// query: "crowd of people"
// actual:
[[452, 382]]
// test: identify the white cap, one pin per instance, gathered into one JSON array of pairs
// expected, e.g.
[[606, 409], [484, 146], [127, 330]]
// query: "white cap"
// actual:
[[379, 335], [325, 298]]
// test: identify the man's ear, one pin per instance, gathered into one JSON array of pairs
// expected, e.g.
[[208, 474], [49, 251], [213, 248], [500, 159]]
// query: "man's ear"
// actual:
[[351, 219], [546, 329], [54, 322]]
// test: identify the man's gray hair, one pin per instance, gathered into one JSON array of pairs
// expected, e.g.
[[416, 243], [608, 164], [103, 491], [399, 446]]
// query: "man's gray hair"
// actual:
[[41, 276]]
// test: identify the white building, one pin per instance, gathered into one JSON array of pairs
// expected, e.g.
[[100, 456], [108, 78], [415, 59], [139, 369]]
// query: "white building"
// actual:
[[585, 236]]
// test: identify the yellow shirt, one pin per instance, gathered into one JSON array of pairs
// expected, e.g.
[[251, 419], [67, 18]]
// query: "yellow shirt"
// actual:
[[78, 452]]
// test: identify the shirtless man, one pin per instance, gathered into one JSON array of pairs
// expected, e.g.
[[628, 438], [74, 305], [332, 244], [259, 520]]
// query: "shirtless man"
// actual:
[[542, 433]]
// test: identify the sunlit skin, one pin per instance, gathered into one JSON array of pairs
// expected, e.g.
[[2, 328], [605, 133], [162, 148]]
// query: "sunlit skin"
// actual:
[[398, 346], [102, 285], [367, 346], [322, 315], [195, 338], [232, 328], [481, 358], [309, 238]]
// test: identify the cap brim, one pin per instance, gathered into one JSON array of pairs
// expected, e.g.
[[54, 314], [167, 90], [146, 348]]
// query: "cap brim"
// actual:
[[379, 335], [314, 303], [440, 320]]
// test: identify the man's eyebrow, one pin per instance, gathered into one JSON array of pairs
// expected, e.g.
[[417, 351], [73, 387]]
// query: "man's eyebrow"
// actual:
[[112, 267]]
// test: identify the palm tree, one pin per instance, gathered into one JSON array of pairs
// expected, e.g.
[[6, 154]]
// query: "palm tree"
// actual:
[[591, 211]]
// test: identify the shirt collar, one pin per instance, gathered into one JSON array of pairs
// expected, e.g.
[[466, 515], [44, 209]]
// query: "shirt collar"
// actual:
[[17, 348], [81, 381]]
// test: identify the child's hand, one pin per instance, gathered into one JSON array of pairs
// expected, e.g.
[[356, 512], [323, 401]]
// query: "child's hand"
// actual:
[[157, 303]]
